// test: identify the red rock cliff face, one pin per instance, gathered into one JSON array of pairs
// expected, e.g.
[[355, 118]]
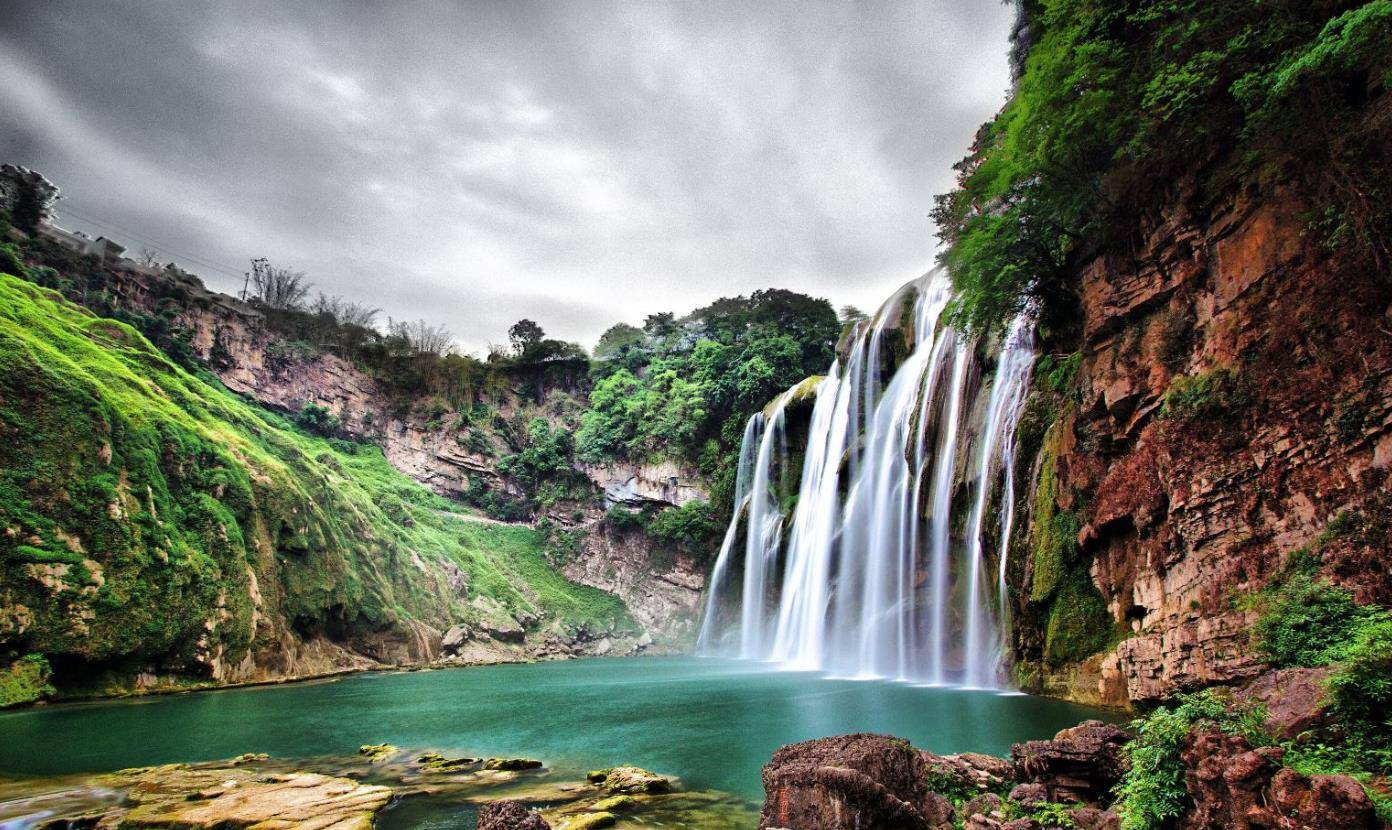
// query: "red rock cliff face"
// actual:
[[1182, 514]]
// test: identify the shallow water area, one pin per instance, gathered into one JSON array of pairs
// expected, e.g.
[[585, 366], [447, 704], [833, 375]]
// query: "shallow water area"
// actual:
[[712, 724]]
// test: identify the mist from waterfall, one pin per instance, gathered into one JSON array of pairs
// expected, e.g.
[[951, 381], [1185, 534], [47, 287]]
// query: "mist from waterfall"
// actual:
[[868, 577]]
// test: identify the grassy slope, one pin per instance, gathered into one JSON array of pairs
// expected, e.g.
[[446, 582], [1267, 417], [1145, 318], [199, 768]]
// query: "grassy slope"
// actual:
[[138, 503]]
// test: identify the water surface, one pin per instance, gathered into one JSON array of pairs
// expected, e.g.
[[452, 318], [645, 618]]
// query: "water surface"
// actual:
[[711, 723]]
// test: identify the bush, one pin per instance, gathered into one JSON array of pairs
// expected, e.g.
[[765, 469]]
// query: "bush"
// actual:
[[691, 527], [316, 420], [622, 518], [1152, 794], [1360, 692], [25, 681], [1210, 394], [1308, 622]]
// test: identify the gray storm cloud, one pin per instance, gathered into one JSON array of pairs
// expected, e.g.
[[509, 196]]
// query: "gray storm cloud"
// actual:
[[580, 163]]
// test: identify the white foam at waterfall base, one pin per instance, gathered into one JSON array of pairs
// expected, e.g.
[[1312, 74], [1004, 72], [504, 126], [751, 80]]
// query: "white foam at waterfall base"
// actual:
[[872, 584]]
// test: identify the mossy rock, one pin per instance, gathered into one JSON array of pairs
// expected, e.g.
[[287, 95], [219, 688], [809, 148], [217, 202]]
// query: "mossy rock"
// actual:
[[511, 764], [629, 780], [435, 762], [377, 752], [589, 821], [614, 804]]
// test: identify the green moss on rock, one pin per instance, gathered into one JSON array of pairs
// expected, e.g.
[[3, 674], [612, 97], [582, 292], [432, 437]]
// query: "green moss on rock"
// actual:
[[24, 681]]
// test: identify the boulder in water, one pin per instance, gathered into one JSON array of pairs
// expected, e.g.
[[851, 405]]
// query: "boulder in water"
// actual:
[[377, 752], [629, 780], [511, 764]]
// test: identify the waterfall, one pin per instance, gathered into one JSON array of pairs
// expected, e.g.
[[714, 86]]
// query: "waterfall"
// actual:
[[873, 582]]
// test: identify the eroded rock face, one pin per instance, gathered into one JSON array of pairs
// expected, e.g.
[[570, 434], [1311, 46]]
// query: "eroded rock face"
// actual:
[[1080, 765], [1237, 787], [863, 781], [1182, 514]]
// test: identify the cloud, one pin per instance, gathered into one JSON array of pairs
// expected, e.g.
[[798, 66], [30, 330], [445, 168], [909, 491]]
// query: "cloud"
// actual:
[[474, 163]]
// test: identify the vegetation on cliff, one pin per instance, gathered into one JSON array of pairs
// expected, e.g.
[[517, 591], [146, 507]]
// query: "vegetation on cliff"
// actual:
[[1117, 100], [154, 521]]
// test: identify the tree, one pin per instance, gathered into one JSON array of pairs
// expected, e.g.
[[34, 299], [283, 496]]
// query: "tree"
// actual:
[[421, 336], [851, 314], [27, 195], [525, 335], [346, 312], [275, 286], [618, 340], [149, 257]]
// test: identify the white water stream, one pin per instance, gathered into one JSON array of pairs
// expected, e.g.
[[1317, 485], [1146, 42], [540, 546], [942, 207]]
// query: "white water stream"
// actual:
[[868, 576]]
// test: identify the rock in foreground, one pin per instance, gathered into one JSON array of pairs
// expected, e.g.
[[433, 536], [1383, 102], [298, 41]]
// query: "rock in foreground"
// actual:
[[867, 782], [509, 815], [189, 798]]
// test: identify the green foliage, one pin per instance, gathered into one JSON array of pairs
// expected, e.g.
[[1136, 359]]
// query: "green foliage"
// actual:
[[317, 420], [673, 389], [25, 681], [622, 518], [1208, 395], [1152, 794], [1306, 621], [1360, 691], [151, 498], [1116, 100], [1054, 532], [1079, 624], [1048, 814], [691, 527]]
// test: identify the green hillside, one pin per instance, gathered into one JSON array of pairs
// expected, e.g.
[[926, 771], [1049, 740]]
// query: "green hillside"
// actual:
[[145, 509]]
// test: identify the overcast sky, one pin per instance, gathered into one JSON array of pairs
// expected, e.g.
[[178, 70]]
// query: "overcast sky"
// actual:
[[580, 163]]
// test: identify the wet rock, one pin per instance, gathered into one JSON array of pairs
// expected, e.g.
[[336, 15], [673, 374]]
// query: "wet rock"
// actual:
[[1080, 764], [615, 804], [589, 821], [435, 762], [509, 815], [967, 772], [220, 799], [1030, 794], [1094, 818], [629, 780], [377, 752], [511, 764], [863, 781], [983, 811]]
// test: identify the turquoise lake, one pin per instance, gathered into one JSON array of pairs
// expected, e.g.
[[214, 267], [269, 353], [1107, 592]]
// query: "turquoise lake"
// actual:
[[712, 723]]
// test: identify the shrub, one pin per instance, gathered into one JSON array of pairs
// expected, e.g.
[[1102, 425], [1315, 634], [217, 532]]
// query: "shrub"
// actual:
[[621, 518], [25, 681], [1360, 692], [1308, 622], [1210, 394], [1152, 794], [316, 420], [690, 527]]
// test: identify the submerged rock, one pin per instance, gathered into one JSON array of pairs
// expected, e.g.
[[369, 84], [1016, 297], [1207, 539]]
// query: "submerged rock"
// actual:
[[614, 804], [629, 780], [509, 815], [589, 821]]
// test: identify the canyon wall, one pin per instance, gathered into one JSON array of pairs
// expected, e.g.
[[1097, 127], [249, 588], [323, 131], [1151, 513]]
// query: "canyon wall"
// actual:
[[1232, 405]]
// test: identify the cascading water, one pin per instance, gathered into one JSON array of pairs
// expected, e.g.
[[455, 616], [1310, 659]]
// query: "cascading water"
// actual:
[[855, 585]]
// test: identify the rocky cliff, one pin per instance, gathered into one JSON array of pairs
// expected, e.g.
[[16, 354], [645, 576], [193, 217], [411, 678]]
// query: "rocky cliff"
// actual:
[[425, 439], [1232, 404]]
